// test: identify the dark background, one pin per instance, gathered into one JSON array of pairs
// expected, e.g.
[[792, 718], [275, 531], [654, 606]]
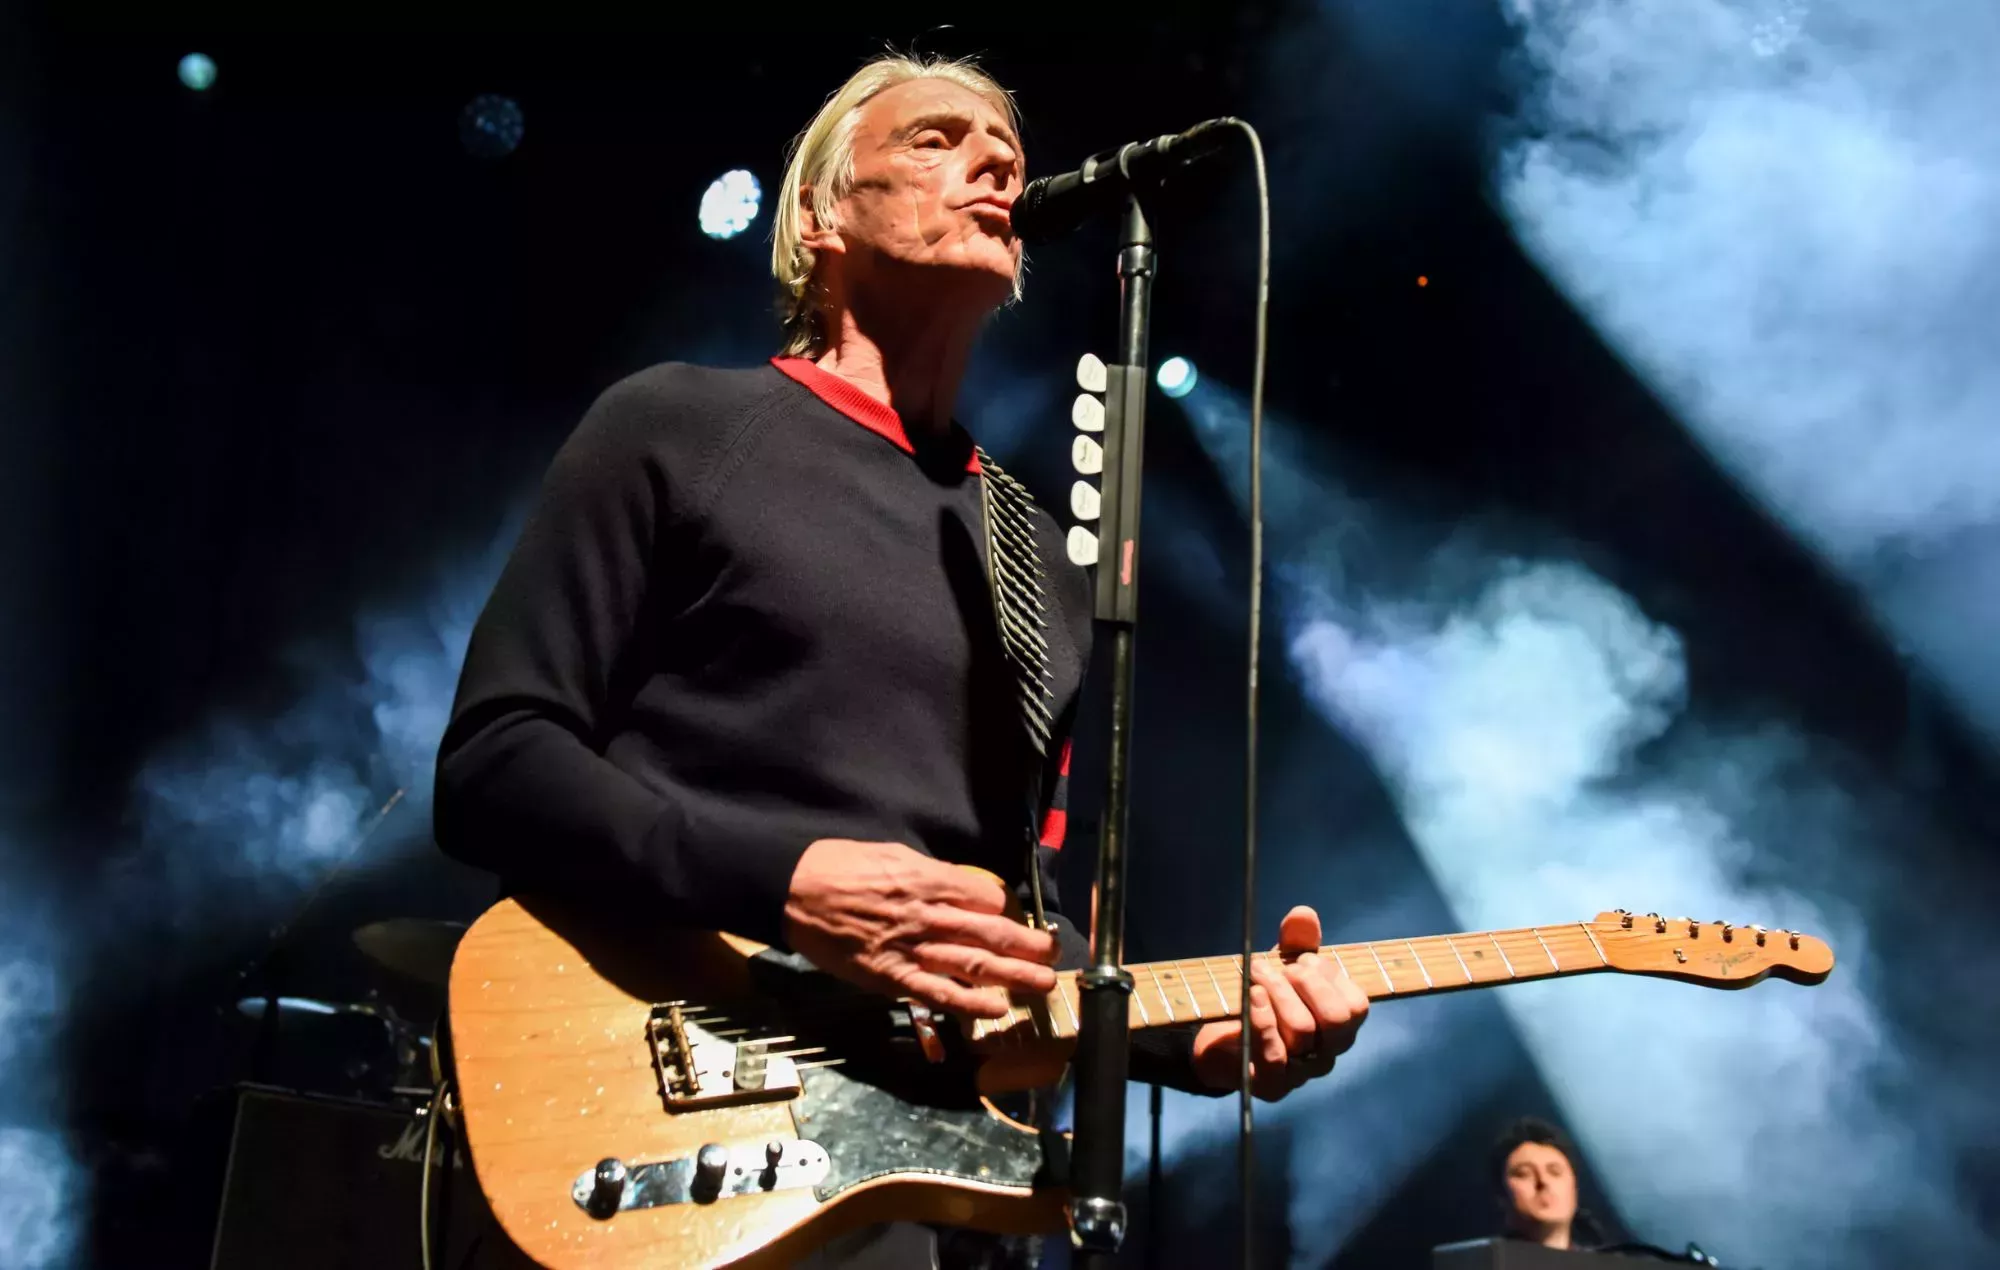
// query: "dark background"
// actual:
[[278, 352]]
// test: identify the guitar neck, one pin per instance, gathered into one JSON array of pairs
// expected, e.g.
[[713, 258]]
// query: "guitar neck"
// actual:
[[1209, 989]]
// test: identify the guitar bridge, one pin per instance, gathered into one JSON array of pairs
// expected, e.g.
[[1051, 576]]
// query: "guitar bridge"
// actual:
[[704, 1060]]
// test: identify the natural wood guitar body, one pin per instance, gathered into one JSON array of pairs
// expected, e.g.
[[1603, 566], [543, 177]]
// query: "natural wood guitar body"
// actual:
[[548, 1033]]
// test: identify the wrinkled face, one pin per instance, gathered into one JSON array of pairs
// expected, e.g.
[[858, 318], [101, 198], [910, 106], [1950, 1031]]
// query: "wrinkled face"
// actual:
[[936, 169], [1541, 1184]]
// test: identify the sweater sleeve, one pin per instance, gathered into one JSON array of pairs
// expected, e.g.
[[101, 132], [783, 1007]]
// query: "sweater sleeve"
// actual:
[[523, 787]]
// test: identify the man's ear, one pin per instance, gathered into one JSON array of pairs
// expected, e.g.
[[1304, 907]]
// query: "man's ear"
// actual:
[[813, 234]]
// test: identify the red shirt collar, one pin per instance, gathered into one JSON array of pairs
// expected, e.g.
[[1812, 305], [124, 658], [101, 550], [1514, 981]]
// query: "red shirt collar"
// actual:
[[856, 404]]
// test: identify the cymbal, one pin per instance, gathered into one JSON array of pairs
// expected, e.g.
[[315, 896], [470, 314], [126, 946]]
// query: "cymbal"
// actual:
[[419, 949], [254, 1007]]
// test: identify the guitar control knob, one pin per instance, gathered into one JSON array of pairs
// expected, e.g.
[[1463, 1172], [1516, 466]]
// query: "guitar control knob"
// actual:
[[711, 1165], [774, 1153], [607, 1187]]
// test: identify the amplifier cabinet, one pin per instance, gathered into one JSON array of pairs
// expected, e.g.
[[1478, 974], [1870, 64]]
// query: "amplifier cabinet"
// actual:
[[319, 1183]]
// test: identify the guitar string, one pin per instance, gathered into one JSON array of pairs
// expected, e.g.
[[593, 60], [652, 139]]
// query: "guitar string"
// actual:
[[1558, 946], [1542, 944], [1579, 942]]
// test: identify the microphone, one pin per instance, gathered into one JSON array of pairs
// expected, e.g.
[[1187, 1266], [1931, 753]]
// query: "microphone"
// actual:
[[1054, 205]]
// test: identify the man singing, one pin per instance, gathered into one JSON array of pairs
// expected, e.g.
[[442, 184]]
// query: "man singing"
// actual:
[[743, 668]]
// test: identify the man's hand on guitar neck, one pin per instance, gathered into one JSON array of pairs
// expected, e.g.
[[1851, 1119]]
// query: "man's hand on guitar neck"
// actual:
[[890, 919], [1304, 1012]]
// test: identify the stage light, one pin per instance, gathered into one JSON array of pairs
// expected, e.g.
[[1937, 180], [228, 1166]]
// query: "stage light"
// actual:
[[730, 204], [490, 126], [197, 71], [1176, 377]]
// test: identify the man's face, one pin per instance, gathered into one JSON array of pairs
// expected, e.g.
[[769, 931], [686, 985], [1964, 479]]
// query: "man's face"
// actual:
[[936, 169], [1541, 1184]]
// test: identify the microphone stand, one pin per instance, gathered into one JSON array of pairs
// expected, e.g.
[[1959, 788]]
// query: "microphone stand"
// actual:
[[1097, 1157]]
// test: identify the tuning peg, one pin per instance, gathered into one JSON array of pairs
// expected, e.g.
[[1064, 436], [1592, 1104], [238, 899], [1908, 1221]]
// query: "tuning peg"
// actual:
[[1795, 939], [1694, 928], [1084, 501], [1087, 413], [1760, 935], [1087, 456], [1727, 935], [1090, 374], [1624, 919], [1082, 546], [1659, 923]]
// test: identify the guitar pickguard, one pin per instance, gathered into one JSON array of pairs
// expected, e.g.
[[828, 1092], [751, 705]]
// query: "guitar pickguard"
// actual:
[[869, 1132]]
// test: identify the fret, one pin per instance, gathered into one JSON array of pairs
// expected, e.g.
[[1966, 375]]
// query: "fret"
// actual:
[[1462, 967], [1177, 976], [1145, 1020], [1390, 983], [1495, 941], [1422, 969], [1488, 964], [1003, 1029], [1553, 963], [1592, 936], [1221, 1001], [1164, 999], [1062, 993], [1339, 961]]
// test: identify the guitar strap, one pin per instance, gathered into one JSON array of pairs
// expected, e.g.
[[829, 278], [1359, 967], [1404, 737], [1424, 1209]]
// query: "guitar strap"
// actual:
[[1020, 609]]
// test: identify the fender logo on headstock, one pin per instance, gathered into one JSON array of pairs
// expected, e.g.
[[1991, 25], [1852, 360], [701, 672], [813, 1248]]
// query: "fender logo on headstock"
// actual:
[[1728, 961]]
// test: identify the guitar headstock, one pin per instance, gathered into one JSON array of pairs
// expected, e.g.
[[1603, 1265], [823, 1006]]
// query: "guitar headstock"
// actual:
[[1717, 954]]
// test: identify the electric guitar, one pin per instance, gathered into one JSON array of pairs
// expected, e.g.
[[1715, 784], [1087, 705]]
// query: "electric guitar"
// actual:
[[676, 1099]]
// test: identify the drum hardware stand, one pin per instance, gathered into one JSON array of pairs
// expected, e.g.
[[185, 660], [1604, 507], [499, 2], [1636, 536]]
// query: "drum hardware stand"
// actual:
[[269, 962]]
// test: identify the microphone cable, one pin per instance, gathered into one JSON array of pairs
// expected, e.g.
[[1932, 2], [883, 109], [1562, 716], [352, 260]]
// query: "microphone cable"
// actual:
[[1245, 1154]]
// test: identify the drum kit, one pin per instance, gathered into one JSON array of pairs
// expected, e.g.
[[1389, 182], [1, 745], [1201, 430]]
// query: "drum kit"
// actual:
[[363, 1049]]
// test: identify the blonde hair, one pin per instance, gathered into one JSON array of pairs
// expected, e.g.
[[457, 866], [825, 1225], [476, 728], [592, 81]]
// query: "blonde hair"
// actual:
[[821, 159]]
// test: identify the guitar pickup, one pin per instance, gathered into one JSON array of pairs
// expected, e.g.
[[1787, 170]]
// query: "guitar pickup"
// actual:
[[704, 1059]]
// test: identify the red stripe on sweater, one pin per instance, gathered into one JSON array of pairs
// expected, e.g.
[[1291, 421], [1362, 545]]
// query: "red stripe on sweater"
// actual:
[[1055, 826], [876, 416]]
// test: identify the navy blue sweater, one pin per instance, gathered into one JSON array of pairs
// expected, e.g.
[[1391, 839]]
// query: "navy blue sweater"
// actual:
[[747, 613]]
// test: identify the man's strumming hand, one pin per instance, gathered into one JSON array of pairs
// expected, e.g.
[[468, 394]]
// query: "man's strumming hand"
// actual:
[[1304, 1012], [892, 920]]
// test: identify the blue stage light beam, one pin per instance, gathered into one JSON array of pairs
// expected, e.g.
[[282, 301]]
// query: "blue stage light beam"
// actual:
[[41, 1216], [1533, 726], [1786, 215], [1176, 377], [271, 803]]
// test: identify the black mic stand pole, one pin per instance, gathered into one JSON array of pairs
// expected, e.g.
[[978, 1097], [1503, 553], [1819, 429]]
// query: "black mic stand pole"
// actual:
[[1097, 1157]]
